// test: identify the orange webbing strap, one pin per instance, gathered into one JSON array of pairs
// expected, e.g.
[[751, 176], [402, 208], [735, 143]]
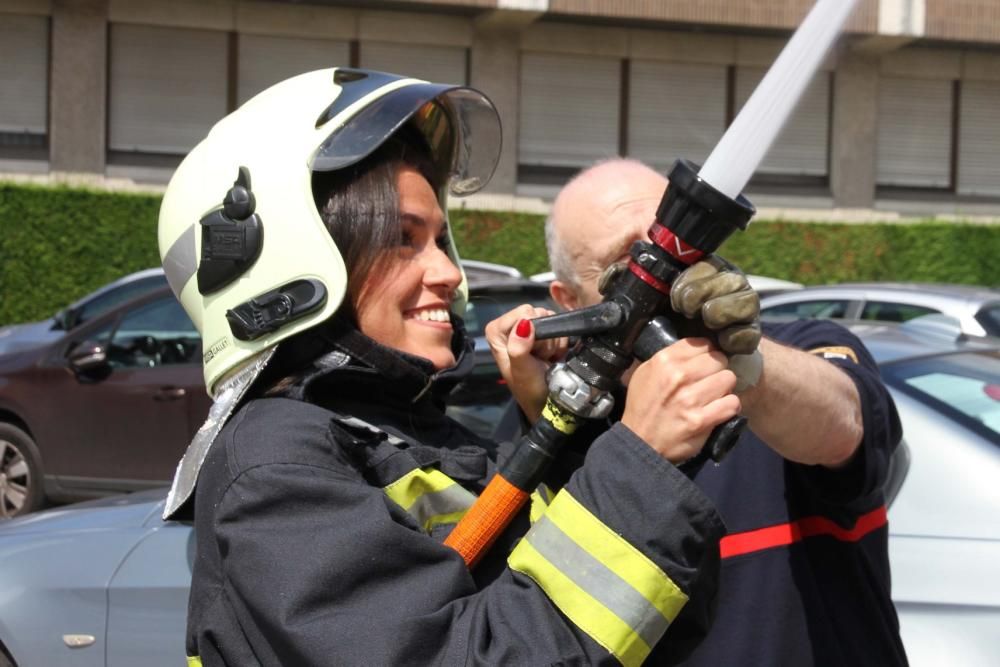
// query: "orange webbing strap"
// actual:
[[486, 519]]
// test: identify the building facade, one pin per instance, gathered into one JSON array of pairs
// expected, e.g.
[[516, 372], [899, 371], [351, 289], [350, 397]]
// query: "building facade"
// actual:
[[903, 114]]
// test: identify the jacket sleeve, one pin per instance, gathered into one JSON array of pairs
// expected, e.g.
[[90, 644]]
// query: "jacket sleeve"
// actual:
[[325, 569]]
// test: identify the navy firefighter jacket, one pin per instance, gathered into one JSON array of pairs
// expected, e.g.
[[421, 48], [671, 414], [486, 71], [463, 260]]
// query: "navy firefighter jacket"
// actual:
[[321, 509]]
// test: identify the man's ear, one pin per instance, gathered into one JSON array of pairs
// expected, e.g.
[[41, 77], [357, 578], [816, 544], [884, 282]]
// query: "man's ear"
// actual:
[[563, 295]]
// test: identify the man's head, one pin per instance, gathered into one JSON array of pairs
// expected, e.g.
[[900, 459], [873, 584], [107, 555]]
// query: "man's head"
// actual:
[[594, 220]]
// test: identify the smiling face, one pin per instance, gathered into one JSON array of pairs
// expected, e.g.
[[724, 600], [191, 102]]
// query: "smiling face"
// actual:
[[404, 303]]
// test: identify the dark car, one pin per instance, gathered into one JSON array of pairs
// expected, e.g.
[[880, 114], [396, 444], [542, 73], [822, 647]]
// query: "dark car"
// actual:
[[111, 404], [108, 406], [15, 337]]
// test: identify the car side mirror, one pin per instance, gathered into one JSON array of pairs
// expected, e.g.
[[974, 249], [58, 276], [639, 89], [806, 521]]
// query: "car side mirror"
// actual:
[[89, 357], [64, 319]]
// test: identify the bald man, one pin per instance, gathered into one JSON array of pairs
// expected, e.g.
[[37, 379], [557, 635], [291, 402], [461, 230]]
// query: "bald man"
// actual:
[[805, 578]]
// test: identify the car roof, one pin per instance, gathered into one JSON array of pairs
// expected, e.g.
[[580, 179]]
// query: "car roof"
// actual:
[[922, 336], [928, 292], [124, 280]]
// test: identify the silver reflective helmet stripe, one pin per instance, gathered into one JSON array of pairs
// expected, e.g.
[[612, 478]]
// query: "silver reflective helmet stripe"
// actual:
[[613, 592], [180, 262]]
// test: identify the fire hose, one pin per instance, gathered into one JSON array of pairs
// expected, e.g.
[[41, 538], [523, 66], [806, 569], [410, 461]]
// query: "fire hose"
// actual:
[[698, 212]]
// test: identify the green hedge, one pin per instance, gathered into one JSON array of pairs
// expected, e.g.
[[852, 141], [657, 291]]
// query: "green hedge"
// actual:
[[58, 243]]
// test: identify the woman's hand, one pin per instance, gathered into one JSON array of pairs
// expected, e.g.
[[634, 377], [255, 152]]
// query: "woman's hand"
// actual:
[[523, 361], [678, 396]]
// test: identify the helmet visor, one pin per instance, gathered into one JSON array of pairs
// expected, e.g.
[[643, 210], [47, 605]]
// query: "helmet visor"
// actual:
[[460, 124]]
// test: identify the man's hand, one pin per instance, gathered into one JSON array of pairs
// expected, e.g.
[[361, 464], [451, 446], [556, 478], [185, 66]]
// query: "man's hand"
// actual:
[[523, 361], [719, 295]]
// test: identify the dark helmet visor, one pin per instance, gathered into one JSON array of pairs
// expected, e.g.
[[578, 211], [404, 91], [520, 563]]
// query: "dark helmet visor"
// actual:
[[460, 124]]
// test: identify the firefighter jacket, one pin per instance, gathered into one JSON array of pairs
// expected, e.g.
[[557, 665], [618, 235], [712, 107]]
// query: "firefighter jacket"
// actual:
[[321, 509]]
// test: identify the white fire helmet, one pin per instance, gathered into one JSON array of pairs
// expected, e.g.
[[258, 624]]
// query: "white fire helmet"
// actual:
[[241, 239]]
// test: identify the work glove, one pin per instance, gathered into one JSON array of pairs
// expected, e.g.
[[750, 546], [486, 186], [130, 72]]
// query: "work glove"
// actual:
[[718, 294]]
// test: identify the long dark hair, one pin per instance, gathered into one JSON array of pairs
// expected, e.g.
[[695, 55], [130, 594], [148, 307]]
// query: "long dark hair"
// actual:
[[360, 205]]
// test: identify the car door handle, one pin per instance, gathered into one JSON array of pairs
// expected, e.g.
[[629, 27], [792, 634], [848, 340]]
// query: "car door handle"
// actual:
[[169, 394]]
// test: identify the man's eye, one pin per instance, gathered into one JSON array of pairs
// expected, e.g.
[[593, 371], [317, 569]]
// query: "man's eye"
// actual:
[[406, 239]]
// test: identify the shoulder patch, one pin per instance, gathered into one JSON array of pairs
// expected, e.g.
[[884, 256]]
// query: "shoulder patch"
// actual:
[[837, 352]]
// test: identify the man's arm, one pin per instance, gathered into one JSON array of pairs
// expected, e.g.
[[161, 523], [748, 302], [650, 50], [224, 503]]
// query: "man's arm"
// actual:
[[805, 408]]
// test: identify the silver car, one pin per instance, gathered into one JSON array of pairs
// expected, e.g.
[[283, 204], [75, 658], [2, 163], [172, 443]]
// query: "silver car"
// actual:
[[976, 308], [106, 583]]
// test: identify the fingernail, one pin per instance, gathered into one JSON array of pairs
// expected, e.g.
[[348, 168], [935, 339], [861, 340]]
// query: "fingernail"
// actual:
[[523, 328]]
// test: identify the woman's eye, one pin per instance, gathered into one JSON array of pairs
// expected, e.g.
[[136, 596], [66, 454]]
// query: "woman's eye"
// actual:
[[406, 239], [444, 241]]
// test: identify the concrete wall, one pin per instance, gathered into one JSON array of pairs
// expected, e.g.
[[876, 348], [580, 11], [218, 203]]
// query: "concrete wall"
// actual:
[[78, 86]]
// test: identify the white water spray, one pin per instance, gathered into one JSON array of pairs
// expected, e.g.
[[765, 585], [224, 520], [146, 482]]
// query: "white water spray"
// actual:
[[743, 146]]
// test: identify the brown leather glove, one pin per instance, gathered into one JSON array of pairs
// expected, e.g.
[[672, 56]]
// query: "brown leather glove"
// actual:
[[718, 293]]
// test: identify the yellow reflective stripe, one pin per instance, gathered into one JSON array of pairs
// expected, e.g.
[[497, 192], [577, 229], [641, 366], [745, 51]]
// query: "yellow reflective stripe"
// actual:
[[540, 500], [602, 625], [430, 497], [194, 661], [607, 587]]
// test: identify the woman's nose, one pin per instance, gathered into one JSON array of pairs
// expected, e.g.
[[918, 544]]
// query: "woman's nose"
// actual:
[[441, 270]]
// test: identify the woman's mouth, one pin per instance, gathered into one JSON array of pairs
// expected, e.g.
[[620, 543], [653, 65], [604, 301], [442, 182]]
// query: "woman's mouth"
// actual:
[[430, 316]]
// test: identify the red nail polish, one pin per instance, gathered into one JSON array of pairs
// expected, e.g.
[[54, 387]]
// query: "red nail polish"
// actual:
[[523, 328]]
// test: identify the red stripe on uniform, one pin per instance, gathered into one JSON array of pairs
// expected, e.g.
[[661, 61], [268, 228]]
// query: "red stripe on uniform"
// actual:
[[795, 531]]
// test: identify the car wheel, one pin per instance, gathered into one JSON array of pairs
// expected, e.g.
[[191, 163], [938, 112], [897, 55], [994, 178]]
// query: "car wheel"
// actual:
[[20, 474]]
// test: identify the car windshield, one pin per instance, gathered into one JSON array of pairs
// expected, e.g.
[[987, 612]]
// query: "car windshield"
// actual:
[[964, 386], [989, 317]]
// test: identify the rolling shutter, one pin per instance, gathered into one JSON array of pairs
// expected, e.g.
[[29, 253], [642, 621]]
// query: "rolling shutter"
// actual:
[[801, 149], [979, 138], [914, 132], [168, 87], [675, 111], [569, 109], [265, 60], [24, 73], [438, 64]]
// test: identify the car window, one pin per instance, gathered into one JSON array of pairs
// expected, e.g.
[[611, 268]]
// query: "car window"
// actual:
[[487, 306], [963, 387], [119, 295], [821, 308], [894, 312], [989, 318], [155, 334]]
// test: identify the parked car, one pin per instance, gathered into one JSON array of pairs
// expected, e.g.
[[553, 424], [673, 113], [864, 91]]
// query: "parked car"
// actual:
[[106, 407], [105, 583], [976, 308], [109, 403], [15, 337]]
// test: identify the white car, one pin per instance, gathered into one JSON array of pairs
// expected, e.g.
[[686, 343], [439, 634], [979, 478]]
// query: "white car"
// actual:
[[977, 309]]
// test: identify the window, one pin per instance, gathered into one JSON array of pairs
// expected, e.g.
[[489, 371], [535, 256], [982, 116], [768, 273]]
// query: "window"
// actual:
[[113, 297], [569, 109], [24, 76], [963, 387], [167, 87], [894, 312], [820, 308], [155, 334]]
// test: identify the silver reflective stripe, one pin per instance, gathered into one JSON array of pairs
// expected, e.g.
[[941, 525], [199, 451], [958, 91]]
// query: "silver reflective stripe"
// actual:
[[227, 398], [180, 263], [453, 500], [597, 580]]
